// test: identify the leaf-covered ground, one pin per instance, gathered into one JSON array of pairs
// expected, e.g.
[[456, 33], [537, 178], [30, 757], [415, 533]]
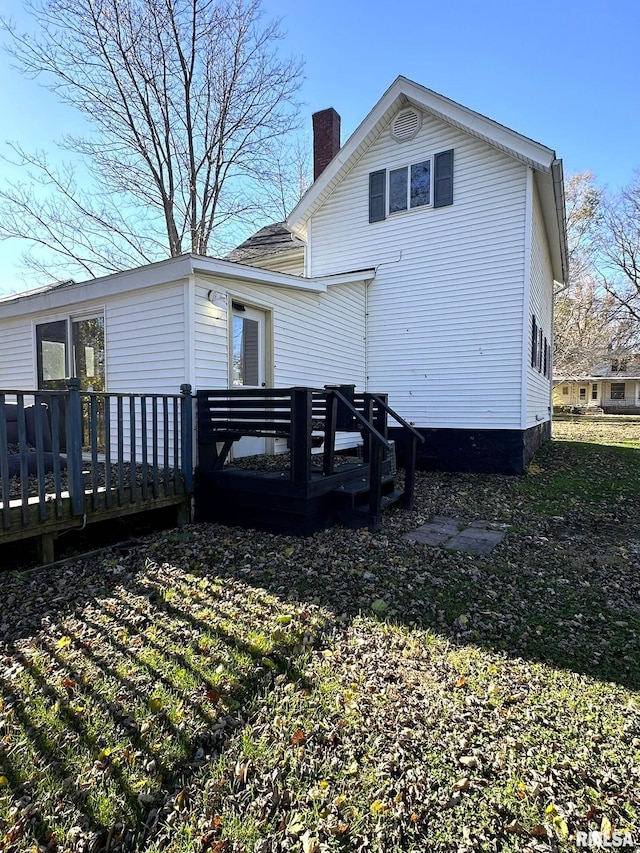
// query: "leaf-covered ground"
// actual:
[[213, 689]]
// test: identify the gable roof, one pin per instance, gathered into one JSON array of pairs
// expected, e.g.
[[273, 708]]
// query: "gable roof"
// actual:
[[405, 93], [615, 368]]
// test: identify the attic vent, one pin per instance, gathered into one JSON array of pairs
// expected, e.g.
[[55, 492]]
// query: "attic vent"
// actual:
[[405, 125]]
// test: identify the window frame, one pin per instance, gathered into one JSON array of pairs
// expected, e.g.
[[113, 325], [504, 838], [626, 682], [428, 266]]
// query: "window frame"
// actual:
[[408, 168], [618, 394], [69, 319]]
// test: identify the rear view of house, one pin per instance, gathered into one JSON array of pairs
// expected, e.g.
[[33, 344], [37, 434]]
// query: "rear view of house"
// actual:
[[419, 264]]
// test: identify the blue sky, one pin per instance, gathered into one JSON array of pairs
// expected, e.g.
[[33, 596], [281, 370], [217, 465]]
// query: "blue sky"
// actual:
[[564, 73]]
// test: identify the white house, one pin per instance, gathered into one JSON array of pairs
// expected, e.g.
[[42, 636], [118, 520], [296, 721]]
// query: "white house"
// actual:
[[420, 263], [612, 385]]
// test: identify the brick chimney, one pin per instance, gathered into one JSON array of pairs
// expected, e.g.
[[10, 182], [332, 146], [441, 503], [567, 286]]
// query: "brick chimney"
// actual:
[[326, 139]]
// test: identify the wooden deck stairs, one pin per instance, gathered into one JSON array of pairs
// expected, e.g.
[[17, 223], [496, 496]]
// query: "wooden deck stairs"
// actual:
[[314, 491]]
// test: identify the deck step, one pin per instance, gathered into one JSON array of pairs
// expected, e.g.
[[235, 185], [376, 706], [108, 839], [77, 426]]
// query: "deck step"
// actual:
[[355, 492], [355, 517]]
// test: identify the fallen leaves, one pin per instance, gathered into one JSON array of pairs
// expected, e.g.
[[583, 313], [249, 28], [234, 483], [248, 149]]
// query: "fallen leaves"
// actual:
[[229, 678], [298, 737]]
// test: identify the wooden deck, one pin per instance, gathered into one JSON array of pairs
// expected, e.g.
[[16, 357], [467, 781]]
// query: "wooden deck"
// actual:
[[63, 519], [69, 459], [269, 500]]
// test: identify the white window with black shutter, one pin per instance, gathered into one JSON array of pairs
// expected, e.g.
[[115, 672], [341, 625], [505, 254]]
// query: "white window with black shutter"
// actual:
[[428, 183]]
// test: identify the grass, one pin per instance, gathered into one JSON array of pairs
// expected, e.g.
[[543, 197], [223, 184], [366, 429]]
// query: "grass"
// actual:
[[222, 690]]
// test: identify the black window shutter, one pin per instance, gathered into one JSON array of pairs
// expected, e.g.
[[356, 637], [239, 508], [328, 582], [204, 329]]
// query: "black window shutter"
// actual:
[[534, 341], [443, 178], [540, 349], [377, 198]]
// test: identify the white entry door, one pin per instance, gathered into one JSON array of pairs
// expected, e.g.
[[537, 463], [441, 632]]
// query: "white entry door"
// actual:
[[248, 363]]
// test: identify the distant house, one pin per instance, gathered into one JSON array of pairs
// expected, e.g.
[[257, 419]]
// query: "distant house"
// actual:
[[420, 263], [612, 385]]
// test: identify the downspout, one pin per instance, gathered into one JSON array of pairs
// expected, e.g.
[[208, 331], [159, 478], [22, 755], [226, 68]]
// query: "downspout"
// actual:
[[308, 260], [189, 332], [558, 194], [366, 333], [190, 355]]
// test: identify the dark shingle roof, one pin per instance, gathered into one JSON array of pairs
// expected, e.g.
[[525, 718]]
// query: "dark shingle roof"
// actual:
[[270, 240]]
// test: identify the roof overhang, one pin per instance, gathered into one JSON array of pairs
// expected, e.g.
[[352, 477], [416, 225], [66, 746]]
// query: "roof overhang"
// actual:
[[57, 297], [610, 378], [403, 93]]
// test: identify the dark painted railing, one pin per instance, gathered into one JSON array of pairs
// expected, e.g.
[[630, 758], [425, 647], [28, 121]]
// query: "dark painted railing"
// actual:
[[73, 452], [296, 414], [411, 438]]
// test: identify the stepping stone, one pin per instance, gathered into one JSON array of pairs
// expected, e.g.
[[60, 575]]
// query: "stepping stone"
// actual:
[[456, 535], [475, 541]]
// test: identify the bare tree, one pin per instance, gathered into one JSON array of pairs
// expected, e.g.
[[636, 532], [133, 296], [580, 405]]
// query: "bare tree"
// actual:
[[590, 323], [293, 175], [589, 327], [188, 103], [583, 201], [619, 246]]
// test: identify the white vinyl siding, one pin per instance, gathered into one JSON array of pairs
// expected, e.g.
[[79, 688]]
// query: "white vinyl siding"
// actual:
[[211, 341], [316, 338], [145, 341], [538, 390], [17, 361], [144, 346], [445, 308], [292, 263]]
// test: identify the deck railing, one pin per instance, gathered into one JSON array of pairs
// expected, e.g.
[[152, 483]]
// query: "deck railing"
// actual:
[[298, 414], [69, 454]]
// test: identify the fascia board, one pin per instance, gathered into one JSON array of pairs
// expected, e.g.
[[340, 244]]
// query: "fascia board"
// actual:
[[547, 195], [256, 275], [366, 275], [172, 270]]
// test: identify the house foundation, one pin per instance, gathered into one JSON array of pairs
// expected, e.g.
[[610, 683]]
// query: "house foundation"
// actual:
[[480, 451]]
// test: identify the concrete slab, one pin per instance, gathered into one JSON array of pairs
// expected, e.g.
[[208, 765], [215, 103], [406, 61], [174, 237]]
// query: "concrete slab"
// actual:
[[474, 541], [428, 535], [455, 535]]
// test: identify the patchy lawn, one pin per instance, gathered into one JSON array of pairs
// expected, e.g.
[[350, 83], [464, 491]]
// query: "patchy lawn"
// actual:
[[211, 689]]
